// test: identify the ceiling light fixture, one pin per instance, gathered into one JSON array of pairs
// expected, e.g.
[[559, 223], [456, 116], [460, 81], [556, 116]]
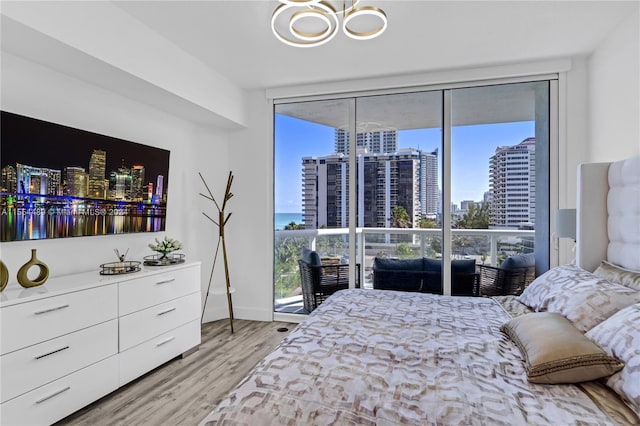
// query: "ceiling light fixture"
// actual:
[[310, 23]]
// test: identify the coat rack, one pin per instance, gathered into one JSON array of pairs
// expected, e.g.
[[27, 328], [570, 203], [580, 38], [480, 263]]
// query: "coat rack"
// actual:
[[222, 220]]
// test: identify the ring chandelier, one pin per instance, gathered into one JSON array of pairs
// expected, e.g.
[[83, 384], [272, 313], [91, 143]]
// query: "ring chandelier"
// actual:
[[324, 15]]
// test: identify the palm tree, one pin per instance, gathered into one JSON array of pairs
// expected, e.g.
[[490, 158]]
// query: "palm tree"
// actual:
[[400, 218], [292, 226]]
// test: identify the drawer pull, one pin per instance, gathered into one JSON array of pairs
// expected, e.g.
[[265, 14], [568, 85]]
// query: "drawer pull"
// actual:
[[164, 342], [41, 400], [166, 311], [57, 308], [52, 352], [166, 281]]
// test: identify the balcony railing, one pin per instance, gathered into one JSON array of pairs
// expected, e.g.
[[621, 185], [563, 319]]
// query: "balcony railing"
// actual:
[[488, 246]]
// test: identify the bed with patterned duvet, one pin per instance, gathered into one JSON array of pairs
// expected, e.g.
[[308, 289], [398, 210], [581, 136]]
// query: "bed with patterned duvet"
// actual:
[[565, 352]]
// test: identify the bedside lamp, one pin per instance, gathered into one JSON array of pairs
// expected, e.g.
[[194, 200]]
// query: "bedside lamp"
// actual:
[[565, 224]]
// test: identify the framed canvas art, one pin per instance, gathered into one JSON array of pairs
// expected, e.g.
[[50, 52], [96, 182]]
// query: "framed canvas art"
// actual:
[[58, 182]]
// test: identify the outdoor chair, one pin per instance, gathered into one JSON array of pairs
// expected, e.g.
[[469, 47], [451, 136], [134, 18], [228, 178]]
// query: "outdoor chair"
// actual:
[[320, 281], [510, 278], [425, 275]]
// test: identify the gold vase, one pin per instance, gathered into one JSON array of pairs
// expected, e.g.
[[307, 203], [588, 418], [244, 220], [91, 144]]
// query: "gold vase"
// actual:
[[4, 275], [23, 278]]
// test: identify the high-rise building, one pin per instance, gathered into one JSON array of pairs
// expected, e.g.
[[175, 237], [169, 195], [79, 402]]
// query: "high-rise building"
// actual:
[[384, 182], [465, 205], [9, 182], [160, 187], [97, 170], [377, 142], [429, 191], [138, 187], [120, 184], [37, 180], [76, 182], [513, 185]]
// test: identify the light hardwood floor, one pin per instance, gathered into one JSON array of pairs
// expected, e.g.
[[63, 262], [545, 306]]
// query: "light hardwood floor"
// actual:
[[184, 390]]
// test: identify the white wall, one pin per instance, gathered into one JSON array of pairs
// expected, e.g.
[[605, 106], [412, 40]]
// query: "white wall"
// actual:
[[251, 158], [36, 91], [614, 94], [250, 230]]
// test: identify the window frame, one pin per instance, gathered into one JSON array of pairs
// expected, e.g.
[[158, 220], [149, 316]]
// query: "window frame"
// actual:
[[556, 81]]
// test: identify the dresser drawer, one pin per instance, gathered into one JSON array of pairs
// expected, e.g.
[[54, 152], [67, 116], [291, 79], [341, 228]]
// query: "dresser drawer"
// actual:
[[140, 326], [39, 364], [138, 294], [62, 397], [34, 322], [136, 361]]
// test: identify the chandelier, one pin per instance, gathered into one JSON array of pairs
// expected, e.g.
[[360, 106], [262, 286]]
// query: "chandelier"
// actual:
[[310, 23]]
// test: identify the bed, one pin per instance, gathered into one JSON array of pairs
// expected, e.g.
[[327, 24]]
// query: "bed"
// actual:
[[566, 351]]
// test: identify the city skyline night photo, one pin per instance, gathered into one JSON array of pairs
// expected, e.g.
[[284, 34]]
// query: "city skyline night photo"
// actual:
[[58, 181]]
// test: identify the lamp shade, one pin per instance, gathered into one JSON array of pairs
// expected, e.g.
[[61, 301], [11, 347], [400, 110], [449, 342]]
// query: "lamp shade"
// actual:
[[565, 223]]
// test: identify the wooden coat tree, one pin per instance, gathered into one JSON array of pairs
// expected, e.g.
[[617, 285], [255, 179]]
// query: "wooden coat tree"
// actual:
[[222, 220]]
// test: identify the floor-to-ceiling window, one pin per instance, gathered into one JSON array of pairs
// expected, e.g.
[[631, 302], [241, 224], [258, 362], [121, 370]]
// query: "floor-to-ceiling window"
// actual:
[[310, 191], [399, 142], [460, 172]]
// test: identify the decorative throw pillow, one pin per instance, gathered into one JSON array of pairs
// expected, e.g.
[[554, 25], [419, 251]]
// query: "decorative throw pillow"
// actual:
[[387, 263], [537, 294], [618, 274], [432, 265], [463, 266], [619, 336], [311, 257], [556, 352], [518, 261], [586, 304]]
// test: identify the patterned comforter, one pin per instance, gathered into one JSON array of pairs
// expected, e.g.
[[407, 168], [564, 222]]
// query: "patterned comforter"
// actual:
[[382, 357]]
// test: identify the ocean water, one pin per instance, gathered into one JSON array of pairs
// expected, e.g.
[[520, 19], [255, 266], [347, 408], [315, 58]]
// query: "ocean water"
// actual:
[[283, 219]]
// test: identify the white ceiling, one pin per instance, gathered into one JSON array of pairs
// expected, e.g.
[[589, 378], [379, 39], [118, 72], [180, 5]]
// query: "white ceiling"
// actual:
[[235, 39]]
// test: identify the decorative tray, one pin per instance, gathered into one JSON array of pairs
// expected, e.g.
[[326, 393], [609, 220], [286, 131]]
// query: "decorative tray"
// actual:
[[160, 260], [117, 268]]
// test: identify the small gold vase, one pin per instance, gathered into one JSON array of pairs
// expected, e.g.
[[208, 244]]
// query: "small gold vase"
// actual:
[[4, 275], [23, 278]]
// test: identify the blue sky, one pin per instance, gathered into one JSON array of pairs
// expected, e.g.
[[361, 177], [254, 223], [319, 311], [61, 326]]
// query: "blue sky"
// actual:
[[472, 146]]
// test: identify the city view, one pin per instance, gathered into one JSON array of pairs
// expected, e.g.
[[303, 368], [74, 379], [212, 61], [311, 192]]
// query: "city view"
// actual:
[[482, 170], [60, 182], [400, 187]]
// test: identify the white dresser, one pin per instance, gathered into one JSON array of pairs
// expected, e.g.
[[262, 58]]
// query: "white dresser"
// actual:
[[77, 338]]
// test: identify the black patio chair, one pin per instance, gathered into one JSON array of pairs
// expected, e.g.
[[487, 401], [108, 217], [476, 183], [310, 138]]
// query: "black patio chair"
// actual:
[[510, 278], [320, 281]]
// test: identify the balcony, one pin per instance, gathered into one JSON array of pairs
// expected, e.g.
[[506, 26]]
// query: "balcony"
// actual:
[[487, 246]]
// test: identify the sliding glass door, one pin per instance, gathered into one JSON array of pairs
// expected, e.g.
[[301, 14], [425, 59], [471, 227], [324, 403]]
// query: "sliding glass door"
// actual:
[[499, 151], [311, 202], [458, 175], [399, 145]]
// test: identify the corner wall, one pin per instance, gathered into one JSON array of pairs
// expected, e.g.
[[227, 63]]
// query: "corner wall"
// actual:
[[250, 230], [614, 94], [34, 90]]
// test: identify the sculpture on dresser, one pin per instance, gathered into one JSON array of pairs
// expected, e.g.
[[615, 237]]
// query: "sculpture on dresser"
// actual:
[[165, 248], [222, 220], [121, 267], [23, 277], [4, 275]]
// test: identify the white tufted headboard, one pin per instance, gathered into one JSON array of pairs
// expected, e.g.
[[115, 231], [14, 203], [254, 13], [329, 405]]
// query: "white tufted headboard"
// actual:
[[608, 214]]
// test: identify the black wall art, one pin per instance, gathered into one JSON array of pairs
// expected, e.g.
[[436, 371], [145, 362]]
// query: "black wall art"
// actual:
[[60, 182]]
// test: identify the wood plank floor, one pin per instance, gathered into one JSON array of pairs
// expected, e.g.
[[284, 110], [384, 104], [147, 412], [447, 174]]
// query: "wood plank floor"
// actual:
[[184, 390]]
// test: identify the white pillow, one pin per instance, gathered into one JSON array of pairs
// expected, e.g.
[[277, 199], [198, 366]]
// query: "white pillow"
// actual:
[[619, 336], [586, 304], [537, 294], [618, 274], [580, 296]]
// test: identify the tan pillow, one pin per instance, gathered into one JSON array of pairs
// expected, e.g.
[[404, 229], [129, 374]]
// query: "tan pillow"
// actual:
[[557, 352], [618, 274]]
